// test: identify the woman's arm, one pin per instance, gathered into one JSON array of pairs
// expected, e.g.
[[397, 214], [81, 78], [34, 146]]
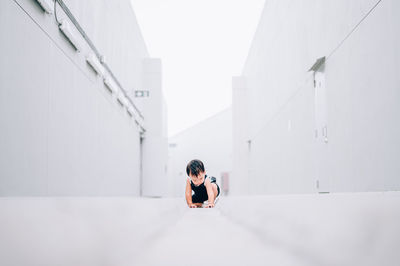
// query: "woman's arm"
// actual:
[[210, 193], [188, 195]]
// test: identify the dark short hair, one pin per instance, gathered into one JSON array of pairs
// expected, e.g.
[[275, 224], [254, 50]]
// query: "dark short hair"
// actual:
[[195, 167]]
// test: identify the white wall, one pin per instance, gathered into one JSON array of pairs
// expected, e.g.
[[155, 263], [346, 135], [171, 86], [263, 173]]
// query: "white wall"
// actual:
[[155, 141], [240, 145], [62, 132], [209, 141], [360, 109], [112, 27]]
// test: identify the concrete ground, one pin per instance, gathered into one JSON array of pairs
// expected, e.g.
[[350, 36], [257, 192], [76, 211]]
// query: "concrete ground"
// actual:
[[332, 229]]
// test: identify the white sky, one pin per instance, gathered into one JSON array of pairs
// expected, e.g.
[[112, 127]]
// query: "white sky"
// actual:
[[202, 44]]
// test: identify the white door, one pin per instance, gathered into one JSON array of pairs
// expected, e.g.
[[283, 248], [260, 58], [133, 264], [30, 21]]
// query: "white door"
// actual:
[[321, 131]]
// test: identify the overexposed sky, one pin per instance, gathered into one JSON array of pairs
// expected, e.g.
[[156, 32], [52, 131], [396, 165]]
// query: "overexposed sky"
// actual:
[[202, 44]]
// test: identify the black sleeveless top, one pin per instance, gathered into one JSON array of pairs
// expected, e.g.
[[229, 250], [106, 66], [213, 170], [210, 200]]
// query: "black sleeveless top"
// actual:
[[200, 189], [200, 192]]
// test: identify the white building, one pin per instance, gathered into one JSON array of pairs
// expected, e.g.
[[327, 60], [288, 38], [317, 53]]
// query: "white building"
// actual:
[[209, 141], [318, 104], [69, 120]]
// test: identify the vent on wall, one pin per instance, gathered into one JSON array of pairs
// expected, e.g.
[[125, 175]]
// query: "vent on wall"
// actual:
[[120, 102], [122, 99], [66, 30], [125, 101], [110, 84], [47, 5], [92, 60], [130, 111]]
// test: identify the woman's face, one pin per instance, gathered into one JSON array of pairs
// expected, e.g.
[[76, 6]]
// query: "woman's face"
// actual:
[[198, 180]]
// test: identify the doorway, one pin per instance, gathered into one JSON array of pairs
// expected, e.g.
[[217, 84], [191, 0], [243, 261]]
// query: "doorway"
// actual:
[[321, 130]]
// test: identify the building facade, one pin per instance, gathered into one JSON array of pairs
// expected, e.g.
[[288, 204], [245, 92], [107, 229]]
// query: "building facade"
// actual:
[[70, 123], [317, 106]]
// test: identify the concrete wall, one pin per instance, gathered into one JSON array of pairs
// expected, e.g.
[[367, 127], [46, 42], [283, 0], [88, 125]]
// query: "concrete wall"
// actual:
[[342, 133], [240, 144], [209, 141], [112, 26], [62, 131], [155, 141]]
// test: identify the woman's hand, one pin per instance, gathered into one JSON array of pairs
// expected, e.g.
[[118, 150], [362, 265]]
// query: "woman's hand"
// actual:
[[210, 205], [192, 205]]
